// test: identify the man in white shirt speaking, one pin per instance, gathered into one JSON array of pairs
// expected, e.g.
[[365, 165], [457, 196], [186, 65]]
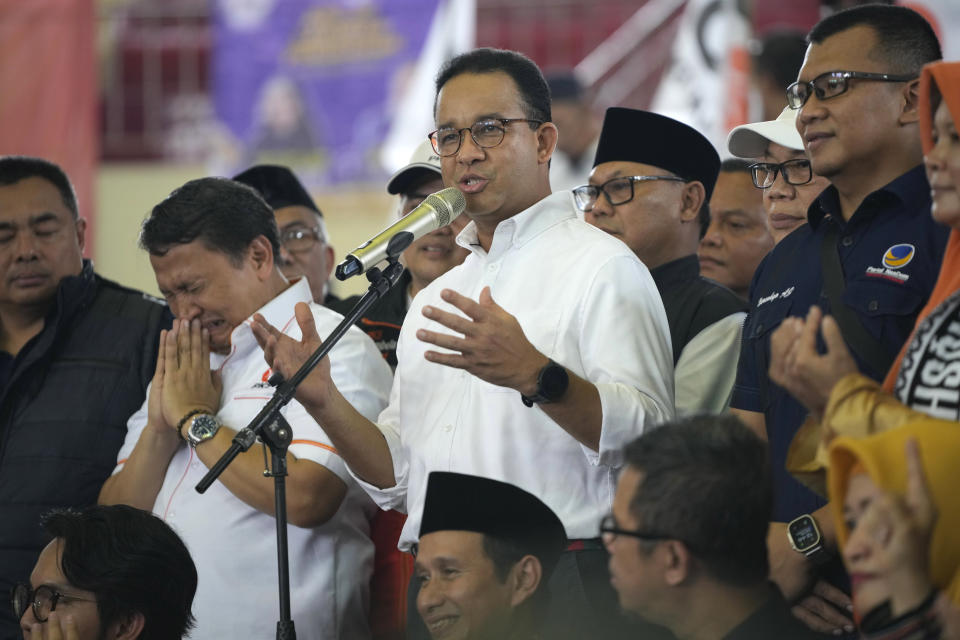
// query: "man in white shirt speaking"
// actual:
[[515, 365], [212, 245]]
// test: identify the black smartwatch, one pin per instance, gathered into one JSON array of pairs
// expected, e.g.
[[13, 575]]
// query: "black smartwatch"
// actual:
[[552, 383], [805, 538]]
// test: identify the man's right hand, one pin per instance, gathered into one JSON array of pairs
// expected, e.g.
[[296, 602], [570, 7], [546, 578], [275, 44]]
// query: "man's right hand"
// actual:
[[155, 418], [285, 356], [825, 609]]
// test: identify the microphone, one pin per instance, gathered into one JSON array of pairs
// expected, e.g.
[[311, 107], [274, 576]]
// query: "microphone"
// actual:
[[437, 210]]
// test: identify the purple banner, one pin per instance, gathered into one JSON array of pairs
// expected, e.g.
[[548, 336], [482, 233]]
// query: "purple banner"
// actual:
[[310, 83]]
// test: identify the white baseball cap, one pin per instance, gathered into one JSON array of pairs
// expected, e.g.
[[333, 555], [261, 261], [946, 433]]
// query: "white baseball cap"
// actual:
[[751, 140], [423, 159]]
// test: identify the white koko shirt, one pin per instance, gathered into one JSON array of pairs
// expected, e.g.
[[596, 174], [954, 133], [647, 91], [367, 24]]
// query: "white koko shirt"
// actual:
[[584, 300], [233, 544]]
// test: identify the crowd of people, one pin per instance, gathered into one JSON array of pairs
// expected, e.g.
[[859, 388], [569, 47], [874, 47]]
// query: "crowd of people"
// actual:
[[683, 398]]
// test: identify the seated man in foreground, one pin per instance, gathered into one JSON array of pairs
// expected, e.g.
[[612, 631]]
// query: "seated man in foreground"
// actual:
[[486, 552], [110, 573], [688, 533]]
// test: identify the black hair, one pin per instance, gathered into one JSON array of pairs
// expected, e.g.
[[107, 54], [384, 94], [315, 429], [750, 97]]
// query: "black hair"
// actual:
[[779, 55], [225, 215], [905, 40], [738, 165], [533, 88], [505, 554], [706, 482], [132, 562], [13, 169]]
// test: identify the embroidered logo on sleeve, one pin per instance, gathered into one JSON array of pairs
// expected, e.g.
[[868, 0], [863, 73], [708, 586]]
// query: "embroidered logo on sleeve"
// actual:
[[896, 257]]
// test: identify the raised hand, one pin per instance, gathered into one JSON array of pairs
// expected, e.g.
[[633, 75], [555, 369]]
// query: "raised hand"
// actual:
[[796, 366], [286, 355], [493, 346], [188, 382]]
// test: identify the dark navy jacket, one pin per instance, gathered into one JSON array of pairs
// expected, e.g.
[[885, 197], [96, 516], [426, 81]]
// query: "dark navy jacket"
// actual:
[[890, 251], [64, 409]]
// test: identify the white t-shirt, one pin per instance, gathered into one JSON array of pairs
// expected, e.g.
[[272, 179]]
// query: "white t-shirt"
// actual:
[[233, 544], [584, 300]]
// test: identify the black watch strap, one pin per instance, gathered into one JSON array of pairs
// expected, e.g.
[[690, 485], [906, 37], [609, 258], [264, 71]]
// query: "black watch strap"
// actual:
[[552, 383]]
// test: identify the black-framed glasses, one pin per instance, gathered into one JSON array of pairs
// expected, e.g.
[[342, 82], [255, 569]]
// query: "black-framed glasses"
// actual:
[[617, 191], [43, 599], [796, 172], [834, 83], [485, 133], [609, 532], [300, 238]]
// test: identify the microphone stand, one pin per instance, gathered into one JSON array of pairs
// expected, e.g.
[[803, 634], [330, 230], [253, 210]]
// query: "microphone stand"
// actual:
[[274, 431]]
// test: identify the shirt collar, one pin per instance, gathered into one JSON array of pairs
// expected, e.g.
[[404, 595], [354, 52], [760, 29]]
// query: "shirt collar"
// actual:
[[524, 226], [910, 188], [278, 312], [680, 270]]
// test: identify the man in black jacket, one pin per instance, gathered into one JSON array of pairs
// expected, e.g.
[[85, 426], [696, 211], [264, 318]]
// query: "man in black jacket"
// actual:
[[688, 533], [76, 354]]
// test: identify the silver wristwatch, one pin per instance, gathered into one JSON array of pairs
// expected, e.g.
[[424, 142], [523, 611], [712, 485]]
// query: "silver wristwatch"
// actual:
[[202, 427]]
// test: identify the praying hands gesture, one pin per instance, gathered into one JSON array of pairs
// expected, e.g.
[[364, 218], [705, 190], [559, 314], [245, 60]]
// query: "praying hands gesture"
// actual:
[[796, 366], [182, 380], [491, 344]]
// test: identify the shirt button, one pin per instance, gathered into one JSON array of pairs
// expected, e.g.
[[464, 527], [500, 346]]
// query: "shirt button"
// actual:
[[492, 267], [847, 241], [447, 427], [873, 305]]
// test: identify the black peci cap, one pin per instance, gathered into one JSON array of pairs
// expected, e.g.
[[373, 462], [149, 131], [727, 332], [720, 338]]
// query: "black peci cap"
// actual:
[[278, 186], [459, 502], [631, 135]]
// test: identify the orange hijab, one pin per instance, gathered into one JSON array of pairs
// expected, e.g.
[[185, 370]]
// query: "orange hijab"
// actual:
[[945, 77]]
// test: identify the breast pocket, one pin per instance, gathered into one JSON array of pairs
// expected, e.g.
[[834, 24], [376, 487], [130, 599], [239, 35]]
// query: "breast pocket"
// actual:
[[760, 323], [886, 309]]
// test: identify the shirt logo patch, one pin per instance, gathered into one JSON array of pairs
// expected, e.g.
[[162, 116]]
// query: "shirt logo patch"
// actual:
[[898, 256]]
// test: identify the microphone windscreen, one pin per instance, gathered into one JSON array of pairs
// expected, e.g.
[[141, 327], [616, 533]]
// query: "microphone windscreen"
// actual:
[[448, 203]]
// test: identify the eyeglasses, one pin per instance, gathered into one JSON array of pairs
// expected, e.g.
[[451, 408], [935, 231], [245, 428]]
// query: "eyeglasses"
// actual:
[[833, 83], [617, 191], [609, 532], [44, 599], [485, 134], [795, 172], [300, 238]]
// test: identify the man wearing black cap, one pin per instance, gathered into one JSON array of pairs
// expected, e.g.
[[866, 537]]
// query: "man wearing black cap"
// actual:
[[486, 552], [303, 235], [426, 259], [651, 181]]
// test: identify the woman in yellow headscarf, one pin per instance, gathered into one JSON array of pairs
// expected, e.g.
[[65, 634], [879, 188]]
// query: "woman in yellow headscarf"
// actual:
[[898, 525], [925, 379]]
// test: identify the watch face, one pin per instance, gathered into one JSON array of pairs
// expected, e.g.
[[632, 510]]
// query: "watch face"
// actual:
[[804, 533], [204, 427], [554, 382]]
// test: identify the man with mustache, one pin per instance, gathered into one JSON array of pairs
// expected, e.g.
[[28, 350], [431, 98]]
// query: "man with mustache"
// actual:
[[77, 352], [869, 256]]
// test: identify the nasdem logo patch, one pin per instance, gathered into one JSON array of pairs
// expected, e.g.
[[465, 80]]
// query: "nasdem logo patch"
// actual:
[[898, 256]]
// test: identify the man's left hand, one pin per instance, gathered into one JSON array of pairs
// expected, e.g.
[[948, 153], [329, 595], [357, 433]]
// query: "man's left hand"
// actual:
[[188, 382], [56, 628], [493, 346]]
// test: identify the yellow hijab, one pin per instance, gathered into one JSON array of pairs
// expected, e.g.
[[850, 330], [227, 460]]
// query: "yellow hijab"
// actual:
[[883, 456]]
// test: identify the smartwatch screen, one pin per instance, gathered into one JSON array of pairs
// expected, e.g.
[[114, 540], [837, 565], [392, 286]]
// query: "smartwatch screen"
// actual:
[[804, 533]]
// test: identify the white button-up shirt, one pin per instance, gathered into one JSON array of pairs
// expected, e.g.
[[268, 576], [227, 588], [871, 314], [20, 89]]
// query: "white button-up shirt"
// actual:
[[584, 300], [233, 544]]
